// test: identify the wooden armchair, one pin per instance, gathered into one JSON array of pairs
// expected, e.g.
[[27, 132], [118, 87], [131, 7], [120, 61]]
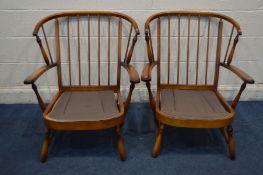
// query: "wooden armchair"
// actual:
[[188, 49], [90, 47]]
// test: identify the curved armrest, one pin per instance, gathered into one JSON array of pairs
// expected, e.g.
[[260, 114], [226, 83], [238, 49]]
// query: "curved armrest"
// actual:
[[147, 71], [133, 74], [37, 73], [241, 74]]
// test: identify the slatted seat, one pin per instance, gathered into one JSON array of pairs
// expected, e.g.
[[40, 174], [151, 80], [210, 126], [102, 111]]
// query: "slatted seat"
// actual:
[[89, 50], [85, 106], [192, 105], [189, 48]]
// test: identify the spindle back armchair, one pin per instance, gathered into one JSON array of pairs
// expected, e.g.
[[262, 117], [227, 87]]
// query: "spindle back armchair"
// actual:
[[88, 48], [188, 49]]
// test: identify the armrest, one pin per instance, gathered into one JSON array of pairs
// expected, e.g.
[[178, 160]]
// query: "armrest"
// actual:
[[133, 74], [147, 71], [241, 74], [37, 73]]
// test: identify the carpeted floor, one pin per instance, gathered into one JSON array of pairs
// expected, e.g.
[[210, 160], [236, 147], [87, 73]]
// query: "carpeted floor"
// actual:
[[184, 151]]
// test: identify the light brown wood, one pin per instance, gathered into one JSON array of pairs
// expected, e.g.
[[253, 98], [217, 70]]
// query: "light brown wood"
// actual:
[[218, 52], [116, 121], [108, 50], [121, 144], [149, 44], [128, 44], [179, 50], [43, 52], [158, 141], [241, 74], [188, 47], [147, 71], [44, 149], [169, 48], [69, 58], [99, 50], [133, 74], [207, 48], [224, 123], [45, 36], [85, 13], [197, 51], [158, 50], [89, 47], [229, 41], [231, 142], [119, 52], [231, 54], [37, 73], [58, 53], [79, 50]]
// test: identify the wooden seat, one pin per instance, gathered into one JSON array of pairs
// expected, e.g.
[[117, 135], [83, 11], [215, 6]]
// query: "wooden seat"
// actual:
[[88, 49], [192, 105], [85, 106], [189, 48]]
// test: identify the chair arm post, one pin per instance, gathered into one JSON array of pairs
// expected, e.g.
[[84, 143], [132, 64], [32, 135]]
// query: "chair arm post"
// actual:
[[39, 99], [152, 101], [146, 77], [134, 79], [235, 101], [128, 98]]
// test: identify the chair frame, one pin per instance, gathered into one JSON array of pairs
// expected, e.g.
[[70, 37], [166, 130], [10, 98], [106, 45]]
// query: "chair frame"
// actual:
[[225, 124], [117, 121]]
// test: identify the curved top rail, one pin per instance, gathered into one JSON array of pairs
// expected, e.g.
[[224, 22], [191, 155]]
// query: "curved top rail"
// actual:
[[85, 13], [193, 13]]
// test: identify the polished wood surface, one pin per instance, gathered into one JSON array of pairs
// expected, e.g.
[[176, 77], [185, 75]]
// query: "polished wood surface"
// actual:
[[70, 22], [184, 21]]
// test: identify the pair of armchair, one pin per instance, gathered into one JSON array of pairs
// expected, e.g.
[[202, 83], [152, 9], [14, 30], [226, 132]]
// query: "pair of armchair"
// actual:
[[90, 48]]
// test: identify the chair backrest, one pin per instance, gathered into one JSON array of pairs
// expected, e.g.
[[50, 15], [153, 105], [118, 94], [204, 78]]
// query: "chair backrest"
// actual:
[[87, 46], [188, 46]]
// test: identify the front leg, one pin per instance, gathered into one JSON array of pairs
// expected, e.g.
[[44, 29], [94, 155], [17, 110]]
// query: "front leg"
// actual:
[[120, 144]]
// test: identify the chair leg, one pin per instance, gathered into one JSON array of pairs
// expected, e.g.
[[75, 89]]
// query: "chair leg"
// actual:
[[121, 144], [44, 149], [231, 142], [158, 140]]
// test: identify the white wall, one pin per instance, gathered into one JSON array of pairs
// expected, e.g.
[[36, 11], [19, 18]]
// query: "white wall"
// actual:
[[19, 53]]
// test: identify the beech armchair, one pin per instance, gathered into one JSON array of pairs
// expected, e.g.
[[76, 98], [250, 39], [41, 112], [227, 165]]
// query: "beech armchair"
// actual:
[[90, 48], [188, 49]]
